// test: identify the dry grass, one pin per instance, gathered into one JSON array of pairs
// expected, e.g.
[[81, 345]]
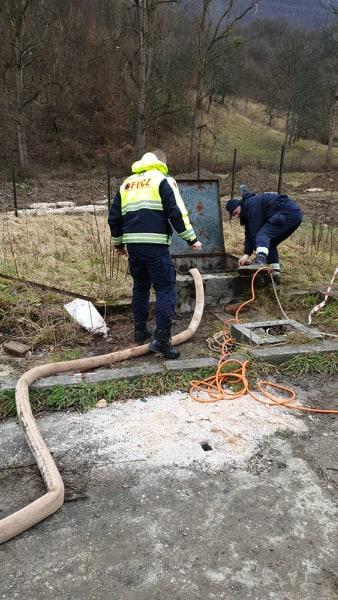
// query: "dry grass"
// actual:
[[72, 252], [41, 326]]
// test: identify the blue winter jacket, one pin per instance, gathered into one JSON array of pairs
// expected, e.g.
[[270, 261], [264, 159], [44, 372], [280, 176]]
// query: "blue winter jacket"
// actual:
[[258, 209]]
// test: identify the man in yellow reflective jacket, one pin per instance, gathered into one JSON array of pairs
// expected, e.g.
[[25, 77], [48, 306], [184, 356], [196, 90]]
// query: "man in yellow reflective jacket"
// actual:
[[144, 211]]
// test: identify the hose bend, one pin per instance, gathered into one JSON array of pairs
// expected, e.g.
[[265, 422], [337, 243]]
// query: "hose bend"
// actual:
[[50, 502]]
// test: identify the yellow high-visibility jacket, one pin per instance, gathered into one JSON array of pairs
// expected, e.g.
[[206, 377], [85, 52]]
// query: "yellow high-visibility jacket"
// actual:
[[147, 206]]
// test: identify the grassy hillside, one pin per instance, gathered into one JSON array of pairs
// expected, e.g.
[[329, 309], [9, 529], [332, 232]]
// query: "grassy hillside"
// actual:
[[243, 125]]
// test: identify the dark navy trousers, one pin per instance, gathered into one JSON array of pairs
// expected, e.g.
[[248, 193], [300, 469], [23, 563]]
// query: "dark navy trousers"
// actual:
[[279, 227], [151, 265]]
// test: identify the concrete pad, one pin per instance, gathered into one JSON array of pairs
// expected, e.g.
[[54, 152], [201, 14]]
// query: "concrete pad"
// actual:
[[161, 430], [155, 517]]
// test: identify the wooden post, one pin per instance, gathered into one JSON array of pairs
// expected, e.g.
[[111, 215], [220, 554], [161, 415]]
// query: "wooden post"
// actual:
[[198, 165]]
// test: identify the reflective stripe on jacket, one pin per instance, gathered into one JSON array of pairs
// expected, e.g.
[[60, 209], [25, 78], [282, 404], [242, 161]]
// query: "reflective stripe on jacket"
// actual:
[[147, 205]]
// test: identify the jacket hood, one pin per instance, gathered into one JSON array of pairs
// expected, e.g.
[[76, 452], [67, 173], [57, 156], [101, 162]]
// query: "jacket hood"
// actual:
[[149, 161]]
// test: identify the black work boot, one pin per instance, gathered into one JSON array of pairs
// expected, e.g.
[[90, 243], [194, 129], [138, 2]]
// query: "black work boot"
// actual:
[[141, 334], [161, 343]]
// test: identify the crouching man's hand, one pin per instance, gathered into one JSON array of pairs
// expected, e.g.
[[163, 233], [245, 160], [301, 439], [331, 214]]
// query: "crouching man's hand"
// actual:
[[197, 245], [244, 260]]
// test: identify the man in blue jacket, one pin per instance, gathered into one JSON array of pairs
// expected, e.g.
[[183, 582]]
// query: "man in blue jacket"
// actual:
[[269, 219], [144, 211]]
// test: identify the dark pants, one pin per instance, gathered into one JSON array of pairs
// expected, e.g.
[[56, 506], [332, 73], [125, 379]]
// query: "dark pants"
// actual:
[[151, 265], [274, 232]]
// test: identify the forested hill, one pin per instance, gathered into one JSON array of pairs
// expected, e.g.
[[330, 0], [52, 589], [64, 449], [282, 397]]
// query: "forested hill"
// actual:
[[307, 13]]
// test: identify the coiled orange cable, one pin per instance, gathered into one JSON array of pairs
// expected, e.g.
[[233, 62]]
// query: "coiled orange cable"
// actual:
[[216, 387]]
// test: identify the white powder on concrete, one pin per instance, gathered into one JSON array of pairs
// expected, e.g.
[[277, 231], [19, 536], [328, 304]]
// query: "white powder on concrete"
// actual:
[[167, 430]]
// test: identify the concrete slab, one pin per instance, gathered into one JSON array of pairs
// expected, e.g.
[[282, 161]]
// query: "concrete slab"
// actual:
[[154, 517], [112, 374], [218, 287], [258, 332], [189, 364], [280, 354]]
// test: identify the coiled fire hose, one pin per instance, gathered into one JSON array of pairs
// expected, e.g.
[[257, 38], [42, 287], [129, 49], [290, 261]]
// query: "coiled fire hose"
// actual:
[[50, 502]]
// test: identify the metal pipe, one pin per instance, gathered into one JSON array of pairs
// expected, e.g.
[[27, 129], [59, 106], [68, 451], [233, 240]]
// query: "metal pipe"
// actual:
[[50, 502]]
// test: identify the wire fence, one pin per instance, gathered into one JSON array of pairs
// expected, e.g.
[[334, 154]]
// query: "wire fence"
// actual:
[[79, 250]]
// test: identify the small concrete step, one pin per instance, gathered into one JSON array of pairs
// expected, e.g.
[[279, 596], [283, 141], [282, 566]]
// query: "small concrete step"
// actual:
[[219, 288]]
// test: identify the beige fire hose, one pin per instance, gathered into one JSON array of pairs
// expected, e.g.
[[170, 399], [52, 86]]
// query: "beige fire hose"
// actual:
[[50, 502]]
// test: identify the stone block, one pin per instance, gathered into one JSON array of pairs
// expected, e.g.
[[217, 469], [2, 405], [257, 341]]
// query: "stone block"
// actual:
[[189, 364], [16, 348]]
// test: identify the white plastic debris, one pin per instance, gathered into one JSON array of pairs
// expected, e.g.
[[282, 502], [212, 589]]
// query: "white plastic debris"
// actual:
[[85, 313]]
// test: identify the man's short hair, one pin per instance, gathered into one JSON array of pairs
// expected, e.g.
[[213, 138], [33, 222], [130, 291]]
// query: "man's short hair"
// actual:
[[161, 155]]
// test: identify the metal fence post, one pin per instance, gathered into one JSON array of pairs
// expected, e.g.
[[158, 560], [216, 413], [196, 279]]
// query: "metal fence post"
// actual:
[[14, 193], [281, 169], [198, 165], [108, 180], [233, 174]]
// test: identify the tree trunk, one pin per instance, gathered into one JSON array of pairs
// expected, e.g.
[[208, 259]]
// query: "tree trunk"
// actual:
[[196, 127], [332, 131], [21, 124], [142, 79], [287, 126]]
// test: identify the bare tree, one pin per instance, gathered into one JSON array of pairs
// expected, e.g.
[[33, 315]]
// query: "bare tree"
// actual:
[[148, 40], [142, 7], [333, 122], [17, 12], [210, 34], [333, 134]]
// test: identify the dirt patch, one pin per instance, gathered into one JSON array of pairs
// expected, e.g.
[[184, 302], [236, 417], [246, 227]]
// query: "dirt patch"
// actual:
[[326, 181], [224, 179], [89, 187], [54, 336], [257, 180], [79, 188]]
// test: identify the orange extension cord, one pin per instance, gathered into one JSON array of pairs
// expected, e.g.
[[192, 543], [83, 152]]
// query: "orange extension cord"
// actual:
[[216, 387]]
